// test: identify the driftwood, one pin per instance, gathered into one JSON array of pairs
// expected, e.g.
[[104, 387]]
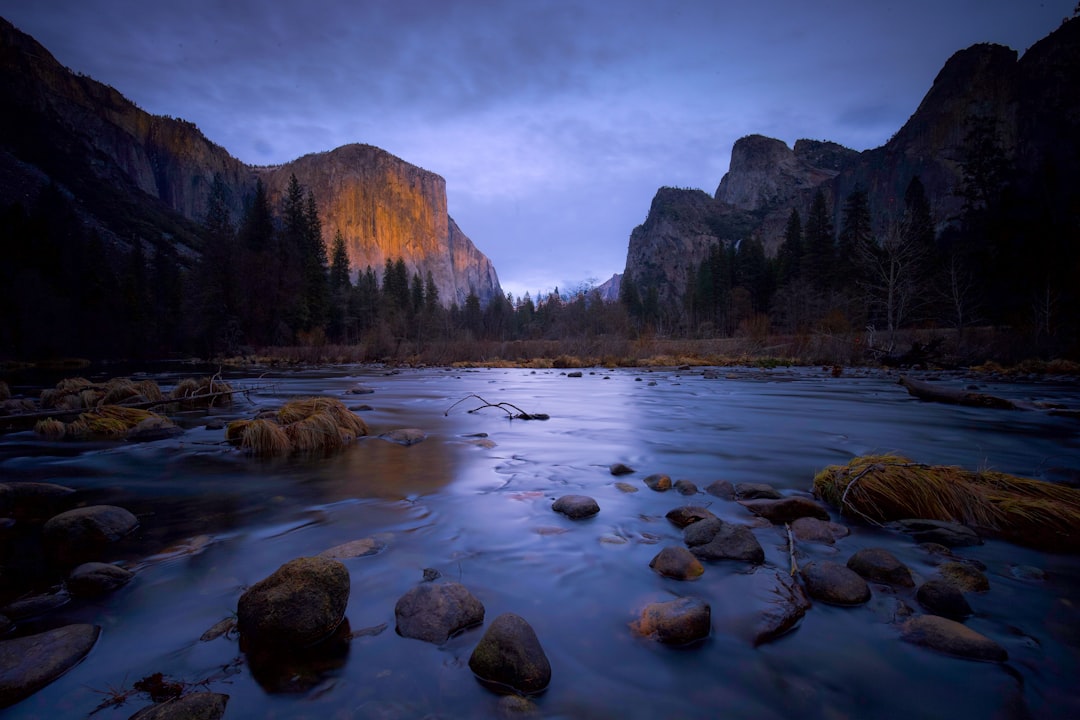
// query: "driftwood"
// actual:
[[934, 393], [504, 406]]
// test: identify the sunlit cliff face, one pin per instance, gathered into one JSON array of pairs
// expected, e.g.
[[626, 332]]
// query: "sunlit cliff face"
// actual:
[[386, 208]]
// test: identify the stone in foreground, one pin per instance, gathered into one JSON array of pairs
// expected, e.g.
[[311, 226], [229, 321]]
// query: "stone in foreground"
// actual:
[[675, 622], [940, 597], [576, 507], [510, 654], [714, 539], [301, 603], [93, 579], [952, 638], [433, 612], [195, 706], [677, 563], [879, 565], [29, 663], [82, 534], [786, 510], [835, 584]]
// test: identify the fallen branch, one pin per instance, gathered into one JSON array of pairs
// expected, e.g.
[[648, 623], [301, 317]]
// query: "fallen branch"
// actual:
[[933, 393], [791, 550], [504, 406]]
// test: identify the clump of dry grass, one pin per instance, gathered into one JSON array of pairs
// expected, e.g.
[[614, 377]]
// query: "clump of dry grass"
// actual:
[[50, 428], [299, 409], [882, 488], [261, 437], [65, 396], [201, 392], [307, 424], [107, 421]]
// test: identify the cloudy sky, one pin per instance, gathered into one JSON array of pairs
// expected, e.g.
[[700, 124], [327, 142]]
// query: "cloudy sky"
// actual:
[[553, 122]]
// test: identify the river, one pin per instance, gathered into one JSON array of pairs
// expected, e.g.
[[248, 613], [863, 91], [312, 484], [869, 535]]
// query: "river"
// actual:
[[473, 501]]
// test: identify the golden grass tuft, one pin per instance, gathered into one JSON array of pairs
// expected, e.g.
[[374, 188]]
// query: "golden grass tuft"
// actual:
[[118, 390], [300, 409], [50, 428], [201, 392], [234, 431], [883, 488], [318, 432], [265, 438]]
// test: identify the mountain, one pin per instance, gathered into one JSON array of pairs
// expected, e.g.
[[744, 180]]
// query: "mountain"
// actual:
[[133, 175], [1027, 110]]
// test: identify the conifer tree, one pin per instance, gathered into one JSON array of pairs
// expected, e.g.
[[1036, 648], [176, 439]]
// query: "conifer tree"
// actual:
[[818, 248]]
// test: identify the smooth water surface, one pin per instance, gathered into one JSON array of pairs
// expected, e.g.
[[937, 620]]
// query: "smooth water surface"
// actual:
[[473, 501]]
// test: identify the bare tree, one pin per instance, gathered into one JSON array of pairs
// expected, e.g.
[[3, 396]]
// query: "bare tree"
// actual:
[[893, 269]]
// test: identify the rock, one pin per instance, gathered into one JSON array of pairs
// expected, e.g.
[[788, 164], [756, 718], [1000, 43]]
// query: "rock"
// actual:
[[29, 663], [658, 482], [1029, 573], [405, 436], [34, 500], [152, 429], [35, 605], [951, 637], [721, 489], [688, 514], [942, 532], [626, 487], [810, 529], [574, 374], [301, 603], [354, 549], [675, 622], [93, 579], [361, 408], [195, 706], [678, 563], [714, 539], [620, 469], [880, 566], [940, 597], [215, 424], [516, 706], [432, 612], [83, 534], [576, 507], [964, 577], [431, 574], [510, 654], [786, 510], [835, 584], [756, 491], [685, 487], [360, 390], [785, 607]]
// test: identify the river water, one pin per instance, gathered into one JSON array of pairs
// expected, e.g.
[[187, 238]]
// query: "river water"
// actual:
[[473, 501]]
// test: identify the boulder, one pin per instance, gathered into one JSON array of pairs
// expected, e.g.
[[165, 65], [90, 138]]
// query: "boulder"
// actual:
[[940, 597], [34, 500], [880, 566], [687, 515], [576, 507], [714, 539], [510, 654], [756, 491], [620, 469], [195, 706], [835, 584], [29, 663], [360, 389], [685, 487], [404, 436], [942, 532], [301, 603], [678, 563], [721, 489], [29, 607], [964, 577], [675, 622], [80, 535], [354, 549], [432, 612], [811, 529], [658, 482], [786, 510], [93, 579], [951, 637]]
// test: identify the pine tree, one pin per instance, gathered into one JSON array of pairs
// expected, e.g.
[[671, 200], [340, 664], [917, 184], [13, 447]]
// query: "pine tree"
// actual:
[[339, 265], [818, 248], [855, 232], [789, 257]]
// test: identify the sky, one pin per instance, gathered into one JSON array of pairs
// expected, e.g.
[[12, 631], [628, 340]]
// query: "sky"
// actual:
[[553, 122]]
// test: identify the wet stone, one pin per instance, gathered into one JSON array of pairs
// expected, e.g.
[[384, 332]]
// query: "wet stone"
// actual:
[[835, 584], [302, 602], [964, 577], [626, 487], [35, 605], [756, 491], [721, 489], [685, 487], [354, 549], [576, 507], [941, 532], [433, 612], [675, 622], [510, 654], [658, 482], [83, 534], [687, 515], [94, 579], [940, 597], [881, 566], [29, 663], [193, 706], [952, 638], [714, 539], [678, 563], [810, 529], [786, 510], [34, 500], [360, 390], [620, 469], [405, 436]]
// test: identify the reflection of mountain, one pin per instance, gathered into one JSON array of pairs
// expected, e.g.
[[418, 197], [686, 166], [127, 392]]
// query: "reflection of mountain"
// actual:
[[1031, 105], [132, 174]]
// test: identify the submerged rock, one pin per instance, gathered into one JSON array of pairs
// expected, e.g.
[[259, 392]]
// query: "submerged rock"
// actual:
[[687, 515], [83, 534], [432, 612], [714, 539], [835, 584], [626, 487], [678, 563], [620, 469], [94, 578], [942, 532], [510, 654], [880, 566], [658, 482], [940, 597], [951, 637], [811, 529], [756, 491], [29, 663], [675, 622], [354, 549], [785, 607], [34, 500], [721, 489], [964, 577], [685, 487], [301, 603], [786, 510], [576, 507], [405, 436], [194, 706]]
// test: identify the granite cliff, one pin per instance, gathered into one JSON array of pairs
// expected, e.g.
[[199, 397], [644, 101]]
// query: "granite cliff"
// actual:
[[132, 174]]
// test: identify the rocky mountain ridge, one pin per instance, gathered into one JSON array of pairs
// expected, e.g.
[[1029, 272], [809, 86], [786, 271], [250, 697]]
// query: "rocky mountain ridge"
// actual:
[[136, 175]]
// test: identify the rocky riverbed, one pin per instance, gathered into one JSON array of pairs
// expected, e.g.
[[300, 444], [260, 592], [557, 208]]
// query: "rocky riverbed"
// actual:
[[652, 548]]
